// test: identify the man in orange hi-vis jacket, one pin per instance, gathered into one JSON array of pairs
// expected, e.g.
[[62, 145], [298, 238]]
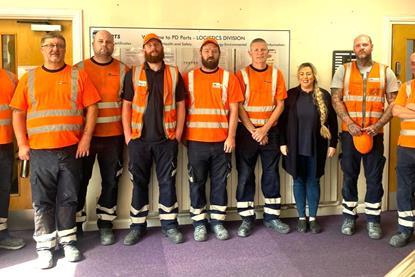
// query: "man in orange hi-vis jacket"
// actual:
[[359, 91], [211, 120], [52, 131], [258, 135], [107, 74], [153, 116], [404, 108], [8, 82]]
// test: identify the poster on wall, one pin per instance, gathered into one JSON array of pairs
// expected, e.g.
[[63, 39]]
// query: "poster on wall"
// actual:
[[181, 46]]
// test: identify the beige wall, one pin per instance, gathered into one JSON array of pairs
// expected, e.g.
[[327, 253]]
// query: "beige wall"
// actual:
[[317, 28]]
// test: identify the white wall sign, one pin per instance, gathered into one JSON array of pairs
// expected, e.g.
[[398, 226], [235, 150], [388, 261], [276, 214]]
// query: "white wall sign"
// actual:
[[181, 46]]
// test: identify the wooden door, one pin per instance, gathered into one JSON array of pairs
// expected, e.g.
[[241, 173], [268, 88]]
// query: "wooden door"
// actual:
[[20, 50], [403, 44]]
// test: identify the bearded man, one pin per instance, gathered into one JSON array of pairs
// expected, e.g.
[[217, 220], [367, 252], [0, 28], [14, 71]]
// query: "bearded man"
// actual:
[[212, 116], [153, 114]]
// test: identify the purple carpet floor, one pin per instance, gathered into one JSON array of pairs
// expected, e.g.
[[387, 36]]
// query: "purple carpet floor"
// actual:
[[264, 253]]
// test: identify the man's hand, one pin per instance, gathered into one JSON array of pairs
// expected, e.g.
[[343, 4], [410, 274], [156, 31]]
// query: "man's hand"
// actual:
[[229, 145], [354, 129], [264, 141], [83, 147], [372, 130], [24, 152], [259, 133]]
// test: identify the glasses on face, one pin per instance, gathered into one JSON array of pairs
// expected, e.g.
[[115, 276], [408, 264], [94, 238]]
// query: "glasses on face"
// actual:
[[51, 46]]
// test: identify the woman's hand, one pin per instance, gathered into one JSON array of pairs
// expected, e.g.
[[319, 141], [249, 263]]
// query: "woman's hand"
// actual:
[[284, 150], [330, 152]]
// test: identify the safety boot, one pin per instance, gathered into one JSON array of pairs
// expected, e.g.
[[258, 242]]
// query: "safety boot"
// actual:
[[246, 228], [400, 239], [106, 236], [174, 235], [72, 253], [133, 236], [200, 233], [348, 226], [374, 230], [220, 232], [278, 226], [44, 259], [11, 243]]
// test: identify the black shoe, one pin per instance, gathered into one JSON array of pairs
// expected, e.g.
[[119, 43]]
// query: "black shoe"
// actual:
[[220, 232], [374, 230], [106, 236], [174, 235], [72, 253], [278, 226], [133, 236], [400, 239], [11, 243], [315, 228], [246, 228], [348, 226], [44, 259], [302, 226]]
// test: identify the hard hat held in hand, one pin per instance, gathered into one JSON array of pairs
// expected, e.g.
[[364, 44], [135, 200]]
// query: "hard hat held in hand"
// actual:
[[363, 143]]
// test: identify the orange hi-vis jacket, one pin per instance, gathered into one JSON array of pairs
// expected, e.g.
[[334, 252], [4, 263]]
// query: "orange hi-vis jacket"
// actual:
[[108, 79], [364, 99], [8, 82], [405, 96], [262, 90], [140, 99], [208, 104], [54, 102]]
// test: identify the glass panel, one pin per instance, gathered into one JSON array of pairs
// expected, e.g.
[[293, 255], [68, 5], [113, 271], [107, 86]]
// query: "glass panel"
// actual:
[[410, 48], [8, 55]]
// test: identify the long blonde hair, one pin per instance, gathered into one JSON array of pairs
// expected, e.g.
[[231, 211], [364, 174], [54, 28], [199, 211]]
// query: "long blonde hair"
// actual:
[[318, 100]]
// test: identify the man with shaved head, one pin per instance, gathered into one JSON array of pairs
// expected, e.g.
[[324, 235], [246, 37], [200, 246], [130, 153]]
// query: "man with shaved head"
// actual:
[[359, 90], [107, 74]]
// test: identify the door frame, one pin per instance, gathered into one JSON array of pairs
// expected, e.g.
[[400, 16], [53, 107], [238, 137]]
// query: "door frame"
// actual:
[[387, 43], [52, 14], [23, 219]]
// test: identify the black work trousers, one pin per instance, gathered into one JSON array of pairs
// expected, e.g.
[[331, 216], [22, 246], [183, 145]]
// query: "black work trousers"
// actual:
[[109, 153], [208, 158], [55, 179], [405, 172], [247, 152], [6, 174], [373, 164], [141, 156]]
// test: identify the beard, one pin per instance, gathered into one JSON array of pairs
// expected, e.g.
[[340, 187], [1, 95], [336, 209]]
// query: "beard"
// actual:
[[210, 63], [154, 59]]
